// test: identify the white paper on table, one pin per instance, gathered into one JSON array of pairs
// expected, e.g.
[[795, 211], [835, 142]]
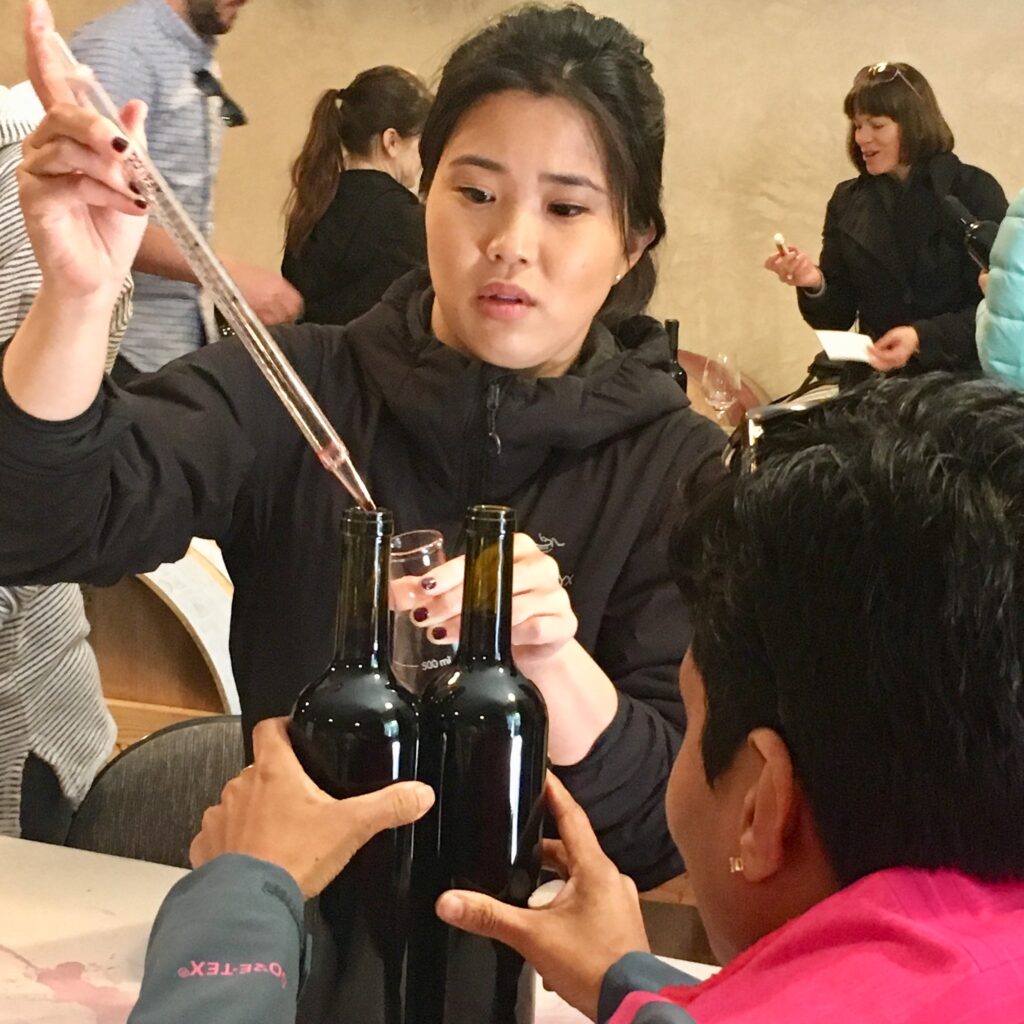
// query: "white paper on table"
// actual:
[[845, 345]]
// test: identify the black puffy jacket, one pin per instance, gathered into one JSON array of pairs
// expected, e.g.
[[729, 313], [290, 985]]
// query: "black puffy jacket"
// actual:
[[590, 461]]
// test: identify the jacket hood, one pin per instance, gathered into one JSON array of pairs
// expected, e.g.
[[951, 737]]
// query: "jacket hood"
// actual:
[[444, 398]]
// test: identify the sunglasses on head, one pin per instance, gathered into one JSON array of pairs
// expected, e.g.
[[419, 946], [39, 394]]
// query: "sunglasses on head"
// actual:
[[230, 112], [740, 453], [886, 72]]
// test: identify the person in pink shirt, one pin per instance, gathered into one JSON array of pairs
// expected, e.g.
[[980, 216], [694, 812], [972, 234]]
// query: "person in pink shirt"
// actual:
[[849, 796]]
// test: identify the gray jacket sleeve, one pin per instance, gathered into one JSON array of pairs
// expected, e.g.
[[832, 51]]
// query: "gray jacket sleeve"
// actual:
[[226, 947], [641, 972]]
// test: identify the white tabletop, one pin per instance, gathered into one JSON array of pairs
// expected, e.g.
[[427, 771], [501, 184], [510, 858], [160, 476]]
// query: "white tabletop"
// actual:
[[73, 932]]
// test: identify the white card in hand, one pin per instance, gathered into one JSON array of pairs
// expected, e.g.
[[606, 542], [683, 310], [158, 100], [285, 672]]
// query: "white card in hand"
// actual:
[[845, 345]]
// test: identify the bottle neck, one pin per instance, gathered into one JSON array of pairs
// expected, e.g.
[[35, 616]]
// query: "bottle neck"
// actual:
[[362, 638], [485, 635]]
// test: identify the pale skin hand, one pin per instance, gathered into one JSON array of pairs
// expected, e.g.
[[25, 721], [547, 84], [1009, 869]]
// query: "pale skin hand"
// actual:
[[796, 268], [85, 226], [581, 699], [272, 298], [593, 922], [274, 812], [894, 348]]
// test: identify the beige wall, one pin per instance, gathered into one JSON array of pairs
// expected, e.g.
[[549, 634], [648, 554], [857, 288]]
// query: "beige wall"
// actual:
[[755, 144]]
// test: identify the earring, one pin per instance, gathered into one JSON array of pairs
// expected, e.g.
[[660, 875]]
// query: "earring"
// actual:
[[735, 865], [618, 278]]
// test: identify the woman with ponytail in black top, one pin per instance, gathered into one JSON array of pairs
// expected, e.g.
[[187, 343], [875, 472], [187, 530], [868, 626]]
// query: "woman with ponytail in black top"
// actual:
[[353, 222]]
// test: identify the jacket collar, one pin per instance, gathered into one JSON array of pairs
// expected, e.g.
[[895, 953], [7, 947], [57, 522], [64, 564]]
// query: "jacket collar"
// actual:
[[449, 402], [867, 223]]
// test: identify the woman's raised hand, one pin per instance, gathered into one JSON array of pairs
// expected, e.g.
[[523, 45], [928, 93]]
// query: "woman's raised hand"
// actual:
[[82, 217], [796, 268], [542, 617]]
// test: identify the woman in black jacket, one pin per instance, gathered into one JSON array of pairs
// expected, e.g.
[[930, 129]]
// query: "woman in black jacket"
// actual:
[[516, 371], [892, 256], [353, 222]]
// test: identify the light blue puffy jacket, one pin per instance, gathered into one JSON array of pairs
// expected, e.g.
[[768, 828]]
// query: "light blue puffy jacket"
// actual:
[[1001, 314]]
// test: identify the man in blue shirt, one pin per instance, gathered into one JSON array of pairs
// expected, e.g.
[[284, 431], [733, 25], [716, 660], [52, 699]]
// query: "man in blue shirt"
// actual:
[[162, 52]]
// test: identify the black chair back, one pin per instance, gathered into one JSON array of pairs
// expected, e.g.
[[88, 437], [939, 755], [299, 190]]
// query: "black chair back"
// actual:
[[148, 802]]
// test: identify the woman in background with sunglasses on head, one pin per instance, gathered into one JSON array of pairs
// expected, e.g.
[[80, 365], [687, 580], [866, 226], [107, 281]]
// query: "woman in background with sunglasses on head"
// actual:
[[892, 258]]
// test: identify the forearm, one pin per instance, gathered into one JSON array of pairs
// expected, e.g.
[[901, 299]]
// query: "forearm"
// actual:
[[54, 364], [581, 701], [947, 341], [635, 982], [159, 255], [226, 946], [621, 785]]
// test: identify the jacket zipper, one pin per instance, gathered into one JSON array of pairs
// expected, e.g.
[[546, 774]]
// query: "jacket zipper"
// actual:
[[478, 466], [492, 448], [493, 437]]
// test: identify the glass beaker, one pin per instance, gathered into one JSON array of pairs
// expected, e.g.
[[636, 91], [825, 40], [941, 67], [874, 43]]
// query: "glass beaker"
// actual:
[[415, 659]]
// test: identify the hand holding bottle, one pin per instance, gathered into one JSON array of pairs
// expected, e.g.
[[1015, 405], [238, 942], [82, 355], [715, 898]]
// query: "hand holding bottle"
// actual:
[[542, 617], [586, 928], [274, 812]]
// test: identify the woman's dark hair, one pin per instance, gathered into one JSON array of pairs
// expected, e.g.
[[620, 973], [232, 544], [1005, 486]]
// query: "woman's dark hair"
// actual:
[[901, 92], [378, 99], [862, 593], [600, 67]]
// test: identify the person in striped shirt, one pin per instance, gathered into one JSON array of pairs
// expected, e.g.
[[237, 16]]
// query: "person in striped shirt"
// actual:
[[55, 730]]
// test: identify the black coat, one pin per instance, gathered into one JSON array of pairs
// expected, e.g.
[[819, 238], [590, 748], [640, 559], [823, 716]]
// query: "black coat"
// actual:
[[371, 234], [590, 461], [898, 259]]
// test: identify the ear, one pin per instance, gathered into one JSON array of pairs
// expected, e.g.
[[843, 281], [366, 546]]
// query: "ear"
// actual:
[[769, 807], [636, 246], [389, 140]]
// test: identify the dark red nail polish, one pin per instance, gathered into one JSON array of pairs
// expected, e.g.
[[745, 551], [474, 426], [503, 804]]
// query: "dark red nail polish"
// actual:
[[142, 204], [132, 187], [420, 614], [119, 144], [439, 632], [428, 583]]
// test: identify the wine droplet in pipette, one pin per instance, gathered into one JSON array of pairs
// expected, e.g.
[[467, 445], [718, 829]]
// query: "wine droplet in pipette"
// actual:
[[336, 460]]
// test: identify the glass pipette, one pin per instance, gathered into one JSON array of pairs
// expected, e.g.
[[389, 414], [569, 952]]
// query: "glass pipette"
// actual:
[[281, 375]]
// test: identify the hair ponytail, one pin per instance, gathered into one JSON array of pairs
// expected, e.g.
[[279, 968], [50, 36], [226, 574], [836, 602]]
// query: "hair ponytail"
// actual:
[[315, 171], [349, 120]]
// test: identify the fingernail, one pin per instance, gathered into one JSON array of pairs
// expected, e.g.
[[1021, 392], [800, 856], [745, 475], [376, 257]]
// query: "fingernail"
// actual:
[[420, 614], [428, 583], [449, 907], [439, 632], [142, 204], [119, 144], [134, 188]]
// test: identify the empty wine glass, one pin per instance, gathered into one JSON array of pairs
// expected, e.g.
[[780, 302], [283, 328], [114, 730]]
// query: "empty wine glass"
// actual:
[[416, 660], [721, 382]]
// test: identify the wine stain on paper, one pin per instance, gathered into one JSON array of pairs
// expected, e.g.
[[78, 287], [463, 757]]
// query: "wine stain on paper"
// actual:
[[31, 993]]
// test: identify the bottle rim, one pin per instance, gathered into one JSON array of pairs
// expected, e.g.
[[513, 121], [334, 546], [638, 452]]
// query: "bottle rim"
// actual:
[[379, 522], [480, 515]]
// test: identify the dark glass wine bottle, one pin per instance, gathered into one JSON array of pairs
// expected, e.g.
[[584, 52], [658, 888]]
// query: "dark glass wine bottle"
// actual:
[[484, 750], [354, 731], [675, 368]]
